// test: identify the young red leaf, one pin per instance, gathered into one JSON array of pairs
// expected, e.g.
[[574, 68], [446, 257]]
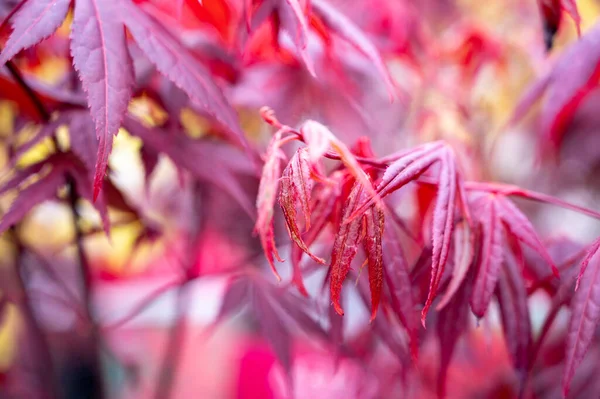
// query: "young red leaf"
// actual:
[[265, 200], [584, 317], [374, 223], [296, 185], [491, 254], [35, 21], [345, 246], [344, 27], [100, 55], [174, 61]]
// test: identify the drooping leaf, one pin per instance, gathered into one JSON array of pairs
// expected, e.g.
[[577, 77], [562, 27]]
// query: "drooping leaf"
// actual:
[[296, 186], [345, 247], [584, 318], [491, 255], [512, 298], [100, 55], [35, 21], [265, 200], [521, 227], [397, 280], [374, 228]]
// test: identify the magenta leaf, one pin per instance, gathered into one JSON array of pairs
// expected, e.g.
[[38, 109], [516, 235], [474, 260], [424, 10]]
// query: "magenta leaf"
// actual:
[[35, 21], [100, 55]]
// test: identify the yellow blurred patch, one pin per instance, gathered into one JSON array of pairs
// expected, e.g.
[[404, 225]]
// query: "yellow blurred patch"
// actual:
[[9, 332]]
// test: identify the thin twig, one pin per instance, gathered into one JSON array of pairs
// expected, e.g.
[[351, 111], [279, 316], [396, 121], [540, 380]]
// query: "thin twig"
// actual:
[[178, 330]]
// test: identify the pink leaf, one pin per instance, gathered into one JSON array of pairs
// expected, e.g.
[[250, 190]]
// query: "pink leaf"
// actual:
[[100, 55], [345, 247], [584, 318], [295, 183], [35, 21]]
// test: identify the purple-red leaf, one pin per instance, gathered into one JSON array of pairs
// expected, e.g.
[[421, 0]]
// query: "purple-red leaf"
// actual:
[[584, 317], [265, 200], [490, 255], [512, 298], [442, 225], [374, 223], [35, 21], [521, 228], [100, 55], [397, 279], [175, 62]]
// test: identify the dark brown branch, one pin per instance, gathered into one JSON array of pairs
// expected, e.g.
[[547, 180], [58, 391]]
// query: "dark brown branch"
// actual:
[[86, 276]]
